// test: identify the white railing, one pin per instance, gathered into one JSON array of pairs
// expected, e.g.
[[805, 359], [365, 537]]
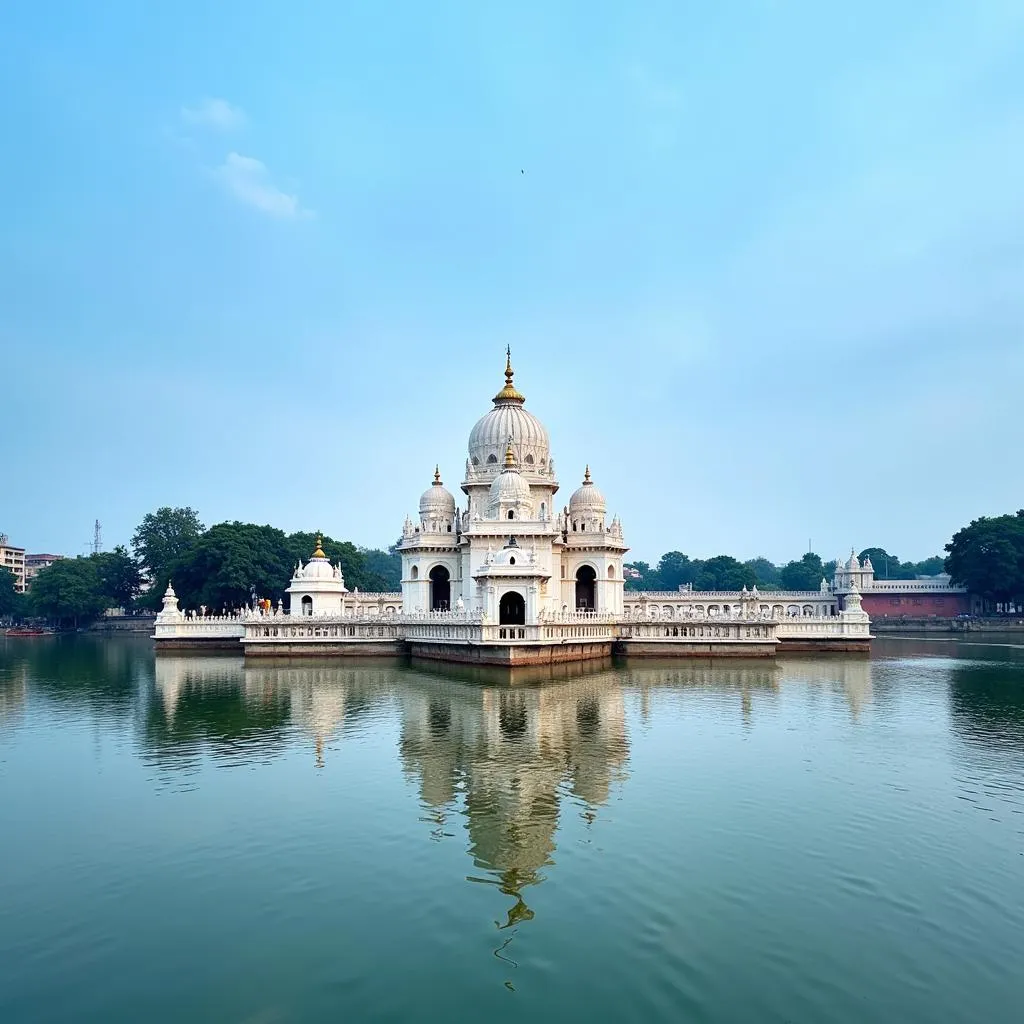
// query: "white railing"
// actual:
[[824, 627], [750, 630], [316, 629]]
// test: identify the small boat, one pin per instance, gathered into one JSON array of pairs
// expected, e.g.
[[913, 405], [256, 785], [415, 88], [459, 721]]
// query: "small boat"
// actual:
[[25, 632]]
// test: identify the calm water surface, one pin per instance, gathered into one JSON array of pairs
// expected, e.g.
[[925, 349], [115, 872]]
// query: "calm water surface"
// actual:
[[191, 838]]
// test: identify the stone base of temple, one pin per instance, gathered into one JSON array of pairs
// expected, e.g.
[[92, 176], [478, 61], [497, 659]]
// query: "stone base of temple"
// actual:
[[510, 655], [837, 645], [198, 643], [696, 649], [329, 649]]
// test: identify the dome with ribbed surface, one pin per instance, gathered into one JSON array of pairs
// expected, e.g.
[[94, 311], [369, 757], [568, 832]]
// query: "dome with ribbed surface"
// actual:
[[508, 422]]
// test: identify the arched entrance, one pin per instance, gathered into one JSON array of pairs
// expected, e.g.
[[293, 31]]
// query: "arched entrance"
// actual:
[[307, 605], [512, 609], [586, 588], [440, 589]]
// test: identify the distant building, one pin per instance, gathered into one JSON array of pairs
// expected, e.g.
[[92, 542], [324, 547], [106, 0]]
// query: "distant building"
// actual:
[[923, 598], [14, 559], [34, 564]]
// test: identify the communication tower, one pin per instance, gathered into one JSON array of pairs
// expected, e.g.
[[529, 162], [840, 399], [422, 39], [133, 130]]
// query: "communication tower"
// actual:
[[97, 539]]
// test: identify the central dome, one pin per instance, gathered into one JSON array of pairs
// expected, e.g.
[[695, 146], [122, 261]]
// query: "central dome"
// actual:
[[509, 423]]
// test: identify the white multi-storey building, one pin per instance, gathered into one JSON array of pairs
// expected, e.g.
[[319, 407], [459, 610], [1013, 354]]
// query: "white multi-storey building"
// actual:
[[506, 551]]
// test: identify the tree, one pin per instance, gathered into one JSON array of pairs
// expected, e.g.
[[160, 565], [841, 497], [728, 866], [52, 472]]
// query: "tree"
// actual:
[[766, 573], [987, 557], [120, 577], [886, 566], [674, 570], [9, 603], [223, 567], [163, 538], [383, 566], [69, 591], [805, 574], [930, 566], [723, 572]]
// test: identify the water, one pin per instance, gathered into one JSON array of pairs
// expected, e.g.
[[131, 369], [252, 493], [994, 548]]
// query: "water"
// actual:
[[189, 838]]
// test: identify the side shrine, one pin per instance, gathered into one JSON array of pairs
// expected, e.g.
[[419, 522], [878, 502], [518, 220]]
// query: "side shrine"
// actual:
[[504, 577]]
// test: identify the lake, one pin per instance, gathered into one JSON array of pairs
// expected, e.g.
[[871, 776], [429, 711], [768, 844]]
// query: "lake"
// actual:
[[197, 839]]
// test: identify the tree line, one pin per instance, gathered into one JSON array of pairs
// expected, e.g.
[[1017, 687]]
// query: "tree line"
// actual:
[[724, 572], [219, 568]]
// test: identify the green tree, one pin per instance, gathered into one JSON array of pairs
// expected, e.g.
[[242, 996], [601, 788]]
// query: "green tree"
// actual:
[[887, 566], [766, 573], [674, 570], [69, 592], [230, 561], [163, 538], [120, 576], [9, 603], [642, 581], [987, 557], [383, 566], [723, 572], [930, 566], [805, 574]]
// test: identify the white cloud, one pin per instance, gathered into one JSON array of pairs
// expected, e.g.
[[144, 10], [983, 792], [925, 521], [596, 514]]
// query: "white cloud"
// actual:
[[214, 113], [249, 181]]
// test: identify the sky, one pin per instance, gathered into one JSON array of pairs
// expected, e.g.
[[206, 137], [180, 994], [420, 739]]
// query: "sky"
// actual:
[[761, 264]]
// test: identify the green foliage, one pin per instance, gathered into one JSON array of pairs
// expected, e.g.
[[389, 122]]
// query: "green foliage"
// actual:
[[383, 568], [70, 591], [10, 599], [120, 577], [723, 572], [805, 574], [766, 573], [987, 557], [163, 538], [930, 566]]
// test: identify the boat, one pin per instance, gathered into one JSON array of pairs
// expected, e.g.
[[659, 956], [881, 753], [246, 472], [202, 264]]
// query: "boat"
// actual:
[[26, 632]]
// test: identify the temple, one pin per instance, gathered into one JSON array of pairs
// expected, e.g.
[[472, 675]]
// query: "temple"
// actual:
[[504, 576]]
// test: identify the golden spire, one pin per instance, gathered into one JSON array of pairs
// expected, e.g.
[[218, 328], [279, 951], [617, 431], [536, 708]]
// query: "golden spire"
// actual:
[[319, 553], [509, 393], [510, 456], [586, 475], [437, 475]]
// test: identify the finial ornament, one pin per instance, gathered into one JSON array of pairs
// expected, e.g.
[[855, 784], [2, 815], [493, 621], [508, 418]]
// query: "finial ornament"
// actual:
[[437, 475], [509, 393], [510, 456], [586, 474], [319, 552]]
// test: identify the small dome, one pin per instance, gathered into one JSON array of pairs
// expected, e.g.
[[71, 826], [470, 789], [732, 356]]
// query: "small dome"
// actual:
[[437, 501], [853, 563], [319, 565], [587, 499], [509, 488]]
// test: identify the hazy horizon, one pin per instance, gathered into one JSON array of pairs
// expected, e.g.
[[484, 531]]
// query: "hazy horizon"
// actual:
[[762, 269]]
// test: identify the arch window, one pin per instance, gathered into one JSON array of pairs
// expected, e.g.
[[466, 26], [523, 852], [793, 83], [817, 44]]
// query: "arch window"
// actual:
[[528, 460], [586, 588], [492, 459], [512, 560], [476, 460], [414, 573], [511, 513], [512, 609], [440, 589], [307, 605], [611, 572]]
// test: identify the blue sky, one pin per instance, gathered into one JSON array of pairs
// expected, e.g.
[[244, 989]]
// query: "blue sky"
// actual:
[[764, 269]]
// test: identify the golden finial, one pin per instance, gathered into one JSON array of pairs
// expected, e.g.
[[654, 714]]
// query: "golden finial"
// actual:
[[586, 475], [510, 456], [437, 475], [319, 553], [509, 393]]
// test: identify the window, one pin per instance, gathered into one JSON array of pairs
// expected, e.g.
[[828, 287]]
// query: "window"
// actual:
[[492, 459], [415, 572], [511, 514], [512, 560], [611, 572], [528, 460]]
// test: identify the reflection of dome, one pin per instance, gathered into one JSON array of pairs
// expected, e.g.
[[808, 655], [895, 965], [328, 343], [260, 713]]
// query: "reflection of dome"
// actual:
[[587, 499], [509, 490], [508, 422], [437, 501]]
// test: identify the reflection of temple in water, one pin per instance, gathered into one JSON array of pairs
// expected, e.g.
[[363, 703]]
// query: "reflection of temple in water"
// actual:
[[515, 755]]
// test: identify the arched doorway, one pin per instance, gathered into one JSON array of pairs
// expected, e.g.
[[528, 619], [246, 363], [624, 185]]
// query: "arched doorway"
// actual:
[[512, 609], [307, 605], [586, 588], [440, 589]]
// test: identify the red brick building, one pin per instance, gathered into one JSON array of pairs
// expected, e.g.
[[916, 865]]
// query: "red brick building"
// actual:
[[930, 597]]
